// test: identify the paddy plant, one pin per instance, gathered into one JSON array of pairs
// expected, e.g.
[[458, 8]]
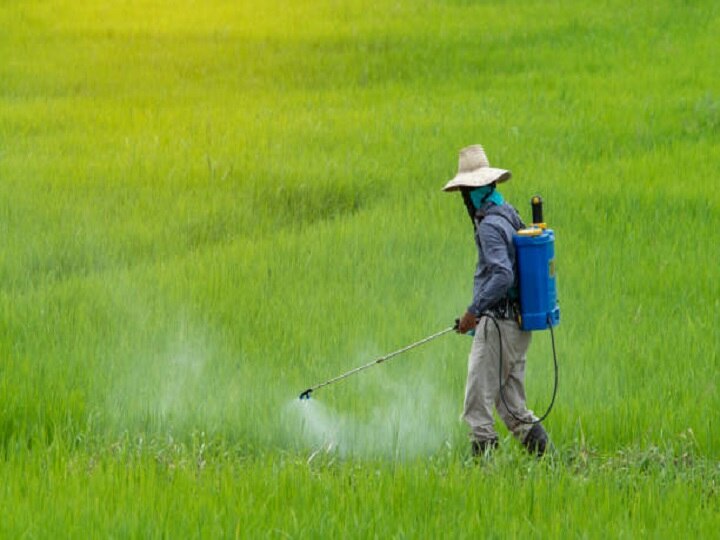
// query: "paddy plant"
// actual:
[[206, 208]]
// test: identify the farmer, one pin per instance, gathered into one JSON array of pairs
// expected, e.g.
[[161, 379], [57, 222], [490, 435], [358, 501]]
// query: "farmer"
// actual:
[[495, 294]]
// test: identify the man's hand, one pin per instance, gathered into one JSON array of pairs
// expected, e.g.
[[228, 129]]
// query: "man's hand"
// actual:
[[467, 323]]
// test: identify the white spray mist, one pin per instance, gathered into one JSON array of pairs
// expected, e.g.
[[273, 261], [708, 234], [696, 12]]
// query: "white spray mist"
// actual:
[[411, 420]]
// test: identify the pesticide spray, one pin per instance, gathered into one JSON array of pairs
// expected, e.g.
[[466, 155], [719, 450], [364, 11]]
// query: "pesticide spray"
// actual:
[[411, 420], [538, 305]]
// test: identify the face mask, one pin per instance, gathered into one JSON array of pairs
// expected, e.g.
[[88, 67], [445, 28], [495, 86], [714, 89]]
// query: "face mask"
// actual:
[[484, 194]]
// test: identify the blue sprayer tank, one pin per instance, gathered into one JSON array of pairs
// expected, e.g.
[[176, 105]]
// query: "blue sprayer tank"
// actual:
[[535, 253]]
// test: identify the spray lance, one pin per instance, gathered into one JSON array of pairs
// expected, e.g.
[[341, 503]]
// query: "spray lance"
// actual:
[[535, 252], [306, 393]]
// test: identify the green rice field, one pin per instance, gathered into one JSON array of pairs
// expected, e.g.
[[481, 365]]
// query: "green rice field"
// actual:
[[208, 206]]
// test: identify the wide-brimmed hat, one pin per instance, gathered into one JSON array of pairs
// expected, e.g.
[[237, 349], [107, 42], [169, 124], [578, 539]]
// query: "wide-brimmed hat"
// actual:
[[474, 170]]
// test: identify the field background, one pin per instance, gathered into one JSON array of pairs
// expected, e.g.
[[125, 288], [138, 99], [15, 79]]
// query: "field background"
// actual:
[[206, 207]]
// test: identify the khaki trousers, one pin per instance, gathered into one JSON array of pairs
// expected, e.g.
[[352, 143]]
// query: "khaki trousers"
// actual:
[[482, 391]]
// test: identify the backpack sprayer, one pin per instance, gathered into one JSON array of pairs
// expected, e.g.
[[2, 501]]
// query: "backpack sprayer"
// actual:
[[537, 283], [535, 255]]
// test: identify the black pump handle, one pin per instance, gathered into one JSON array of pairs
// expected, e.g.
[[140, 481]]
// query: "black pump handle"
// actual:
[[537, 209]]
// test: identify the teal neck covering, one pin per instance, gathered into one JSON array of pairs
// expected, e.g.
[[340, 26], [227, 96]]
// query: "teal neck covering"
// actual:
[[485, 194]]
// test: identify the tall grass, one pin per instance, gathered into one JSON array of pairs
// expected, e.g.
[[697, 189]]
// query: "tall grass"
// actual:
[[207, 207]]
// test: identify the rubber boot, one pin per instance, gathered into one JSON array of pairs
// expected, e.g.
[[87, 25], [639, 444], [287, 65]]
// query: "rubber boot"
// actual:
[[480, 448], [536, 440]]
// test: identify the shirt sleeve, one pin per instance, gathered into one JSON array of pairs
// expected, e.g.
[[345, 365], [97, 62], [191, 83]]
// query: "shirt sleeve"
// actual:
[[499, 274]]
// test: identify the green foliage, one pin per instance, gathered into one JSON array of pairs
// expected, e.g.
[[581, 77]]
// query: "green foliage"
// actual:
[[206, 207]]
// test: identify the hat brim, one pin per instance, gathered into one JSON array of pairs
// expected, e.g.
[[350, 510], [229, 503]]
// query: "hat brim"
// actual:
[[477, 178]]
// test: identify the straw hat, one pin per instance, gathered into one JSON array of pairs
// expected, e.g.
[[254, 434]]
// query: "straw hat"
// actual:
[[474, 170]]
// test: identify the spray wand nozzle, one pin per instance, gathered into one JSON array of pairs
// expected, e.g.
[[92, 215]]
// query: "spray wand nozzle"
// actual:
[[306, 394]]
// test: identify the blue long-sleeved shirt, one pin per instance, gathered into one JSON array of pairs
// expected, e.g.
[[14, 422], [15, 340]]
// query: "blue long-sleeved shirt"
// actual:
[[495, 272]]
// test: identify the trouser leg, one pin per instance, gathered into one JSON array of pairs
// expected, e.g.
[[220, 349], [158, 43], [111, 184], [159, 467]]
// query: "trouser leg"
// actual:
[[481, 389], [515, 343]]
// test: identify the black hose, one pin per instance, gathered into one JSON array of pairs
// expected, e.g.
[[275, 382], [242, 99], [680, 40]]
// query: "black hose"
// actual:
[[500, 373]]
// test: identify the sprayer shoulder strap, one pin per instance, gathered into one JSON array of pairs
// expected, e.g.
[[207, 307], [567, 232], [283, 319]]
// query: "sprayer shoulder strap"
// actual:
[[479, 217], [512, 294], [508, 220]]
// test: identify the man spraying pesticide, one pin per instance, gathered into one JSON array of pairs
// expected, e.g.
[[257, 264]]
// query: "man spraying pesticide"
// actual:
[[514, 292]]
